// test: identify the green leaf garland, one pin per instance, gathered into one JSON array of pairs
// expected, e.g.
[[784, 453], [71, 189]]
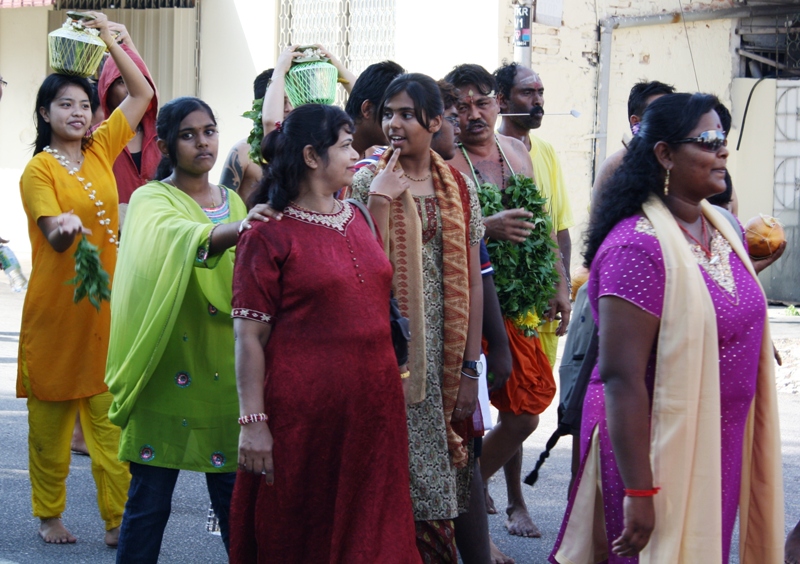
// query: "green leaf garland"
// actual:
[[525, 273], [91, 280], [257, 132]]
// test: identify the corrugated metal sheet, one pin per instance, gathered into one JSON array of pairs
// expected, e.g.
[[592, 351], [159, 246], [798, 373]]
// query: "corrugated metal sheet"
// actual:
[[167, 40]]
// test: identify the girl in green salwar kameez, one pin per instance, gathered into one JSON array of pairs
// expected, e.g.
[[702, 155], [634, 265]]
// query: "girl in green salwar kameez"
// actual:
[[171, 357]]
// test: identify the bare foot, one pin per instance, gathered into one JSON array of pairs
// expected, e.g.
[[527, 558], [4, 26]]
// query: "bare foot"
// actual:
[[79, 449], [490, 508], [53, 531], [792, 548], [519, 523], [497, 556], [78, 445], [112, 537]]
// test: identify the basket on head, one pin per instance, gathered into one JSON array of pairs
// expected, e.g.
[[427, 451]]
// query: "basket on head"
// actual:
[[75, 50], [311, 83]]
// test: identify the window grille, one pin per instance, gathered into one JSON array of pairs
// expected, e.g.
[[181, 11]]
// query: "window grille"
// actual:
[[122, 4], [770, 46], [24, 3], [358, 32]]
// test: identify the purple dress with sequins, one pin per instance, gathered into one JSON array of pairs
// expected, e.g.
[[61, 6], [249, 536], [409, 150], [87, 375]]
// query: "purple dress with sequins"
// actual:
[[629, 265]]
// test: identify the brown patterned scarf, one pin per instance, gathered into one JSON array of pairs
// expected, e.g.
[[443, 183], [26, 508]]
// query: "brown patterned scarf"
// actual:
[[404, 248]]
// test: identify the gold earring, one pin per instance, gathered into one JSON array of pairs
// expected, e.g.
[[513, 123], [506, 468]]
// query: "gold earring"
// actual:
[[666, 184]]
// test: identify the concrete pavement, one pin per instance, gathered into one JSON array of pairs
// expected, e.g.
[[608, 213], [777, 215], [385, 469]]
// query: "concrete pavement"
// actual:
[[186, 540]]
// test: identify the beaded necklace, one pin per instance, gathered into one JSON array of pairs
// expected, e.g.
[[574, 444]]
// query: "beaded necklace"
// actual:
[[476, 173], [104, 221]]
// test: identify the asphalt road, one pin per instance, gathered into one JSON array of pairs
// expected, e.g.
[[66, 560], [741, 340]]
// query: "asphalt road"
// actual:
[[186, 540]]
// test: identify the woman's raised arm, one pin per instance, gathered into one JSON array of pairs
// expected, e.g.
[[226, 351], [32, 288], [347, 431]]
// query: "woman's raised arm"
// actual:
[[140, 92]]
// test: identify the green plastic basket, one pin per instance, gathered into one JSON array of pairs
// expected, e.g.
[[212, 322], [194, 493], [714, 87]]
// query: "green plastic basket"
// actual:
[[75, 51], [311, 83]]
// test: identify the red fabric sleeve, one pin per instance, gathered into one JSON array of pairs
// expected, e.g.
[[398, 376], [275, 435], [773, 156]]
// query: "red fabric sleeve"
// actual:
[[256, 276]]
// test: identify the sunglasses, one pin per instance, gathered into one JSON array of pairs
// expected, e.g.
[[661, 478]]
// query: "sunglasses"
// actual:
[[711, 141]]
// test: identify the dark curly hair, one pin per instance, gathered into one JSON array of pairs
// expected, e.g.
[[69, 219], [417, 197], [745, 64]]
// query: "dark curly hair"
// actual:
[[317, 125], [669, 118], [449, 93], [641, 91], [504, 76], [371, 85], [472, 74]]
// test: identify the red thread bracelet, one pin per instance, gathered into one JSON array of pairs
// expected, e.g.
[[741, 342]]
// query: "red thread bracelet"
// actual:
[[642, 493], [253, 418]]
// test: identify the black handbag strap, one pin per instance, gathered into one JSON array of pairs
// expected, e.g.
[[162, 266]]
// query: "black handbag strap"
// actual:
[[368, 216]]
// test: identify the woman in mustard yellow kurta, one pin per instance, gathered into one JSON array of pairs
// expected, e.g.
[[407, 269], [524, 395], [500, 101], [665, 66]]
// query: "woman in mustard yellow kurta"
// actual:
[[68, 190]]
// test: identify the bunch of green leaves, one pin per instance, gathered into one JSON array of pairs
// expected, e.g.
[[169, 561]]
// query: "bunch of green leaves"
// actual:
[[524, 273], [91, 280], [257, 132]]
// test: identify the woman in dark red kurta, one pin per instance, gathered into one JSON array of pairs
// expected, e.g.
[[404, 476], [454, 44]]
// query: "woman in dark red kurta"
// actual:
[[325, 479]]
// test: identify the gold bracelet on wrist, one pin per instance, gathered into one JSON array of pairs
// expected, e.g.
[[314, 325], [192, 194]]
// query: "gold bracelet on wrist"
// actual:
[[406, 374], [387, 197]]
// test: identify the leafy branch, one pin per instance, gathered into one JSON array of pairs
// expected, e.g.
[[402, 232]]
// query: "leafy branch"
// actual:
[[257, 132], [91, 280], [525, 273]]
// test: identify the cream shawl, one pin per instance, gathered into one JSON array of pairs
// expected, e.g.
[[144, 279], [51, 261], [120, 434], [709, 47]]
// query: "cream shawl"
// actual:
[[685, 430]]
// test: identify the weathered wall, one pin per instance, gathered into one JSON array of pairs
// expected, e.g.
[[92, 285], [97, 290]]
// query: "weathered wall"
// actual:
[[23, 63], [567, 60], [237, 42]]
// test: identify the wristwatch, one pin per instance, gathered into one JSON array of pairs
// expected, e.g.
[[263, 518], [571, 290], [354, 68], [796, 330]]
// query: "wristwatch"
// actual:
[[475, 365]]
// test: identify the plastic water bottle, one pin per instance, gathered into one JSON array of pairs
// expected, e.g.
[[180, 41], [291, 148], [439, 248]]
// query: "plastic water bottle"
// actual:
[[9, 262]]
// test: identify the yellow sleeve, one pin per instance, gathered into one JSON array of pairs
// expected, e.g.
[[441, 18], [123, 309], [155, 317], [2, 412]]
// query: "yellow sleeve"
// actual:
[[562, 210], [38, 190], [550, 180], [111, 137]]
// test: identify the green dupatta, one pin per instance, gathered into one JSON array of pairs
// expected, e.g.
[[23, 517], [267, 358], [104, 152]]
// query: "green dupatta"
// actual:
[[165, 238]]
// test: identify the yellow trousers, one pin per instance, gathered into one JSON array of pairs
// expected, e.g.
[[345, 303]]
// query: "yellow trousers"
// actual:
[[549, 341], [50, 425]]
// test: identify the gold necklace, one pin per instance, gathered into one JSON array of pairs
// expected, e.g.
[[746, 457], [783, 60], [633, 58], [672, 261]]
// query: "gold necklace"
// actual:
[[336, 204], [417, 179]]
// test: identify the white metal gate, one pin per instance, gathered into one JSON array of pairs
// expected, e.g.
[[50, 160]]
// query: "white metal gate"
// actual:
[[782, 278]]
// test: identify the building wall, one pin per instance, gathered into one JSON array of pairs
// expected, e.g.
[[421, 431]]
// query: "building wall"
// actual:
[[21, 32], [567, 60], [238, 40]]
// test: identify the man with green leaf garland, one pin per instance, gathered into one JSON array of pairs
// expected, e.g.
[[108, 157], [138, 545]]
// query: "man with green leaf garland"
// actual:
[[520, 90], [501, 162]]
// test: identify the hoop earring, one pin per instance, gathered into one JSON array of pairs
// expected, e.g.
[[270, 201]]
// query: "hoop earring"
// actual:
[[666, 184]]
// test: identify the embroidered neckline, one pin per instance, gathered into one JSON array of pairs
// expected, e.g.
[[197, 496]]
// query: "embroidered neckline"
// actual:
[[337, 221], [717, 265]]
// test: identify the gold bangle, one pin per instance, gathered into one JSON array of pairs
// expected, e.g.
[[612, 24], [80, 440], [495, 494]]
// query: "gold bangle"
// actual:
[[406, 374], [381, 195]]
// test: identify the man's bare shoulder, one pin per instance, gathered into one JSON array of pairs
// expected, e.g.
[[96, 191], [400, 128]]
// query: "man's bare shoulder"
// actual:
[[517, 154], [607, 169]]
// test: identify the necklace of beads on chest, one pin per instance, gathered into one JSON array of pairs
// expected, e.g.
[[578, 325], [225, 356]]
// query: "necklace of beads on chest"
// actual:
[[476, 174], [92, 194]]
